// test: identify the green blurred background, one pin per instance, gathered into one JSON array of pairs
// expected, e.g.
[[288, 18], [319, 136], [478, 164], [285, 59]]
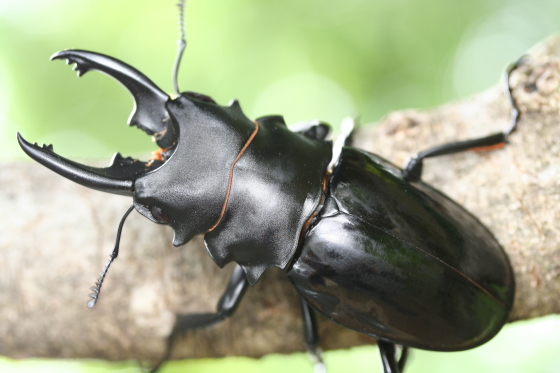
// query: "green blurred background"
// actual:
[[305, 59]]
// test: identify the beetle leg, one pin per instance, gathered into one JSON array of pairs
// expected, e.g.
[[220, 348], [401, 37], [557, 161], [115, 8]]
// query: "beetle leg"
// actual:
[[402, 360], [345, 138], [312, 337], [227, 305], [316, 130], [388, 357], [413, 168]]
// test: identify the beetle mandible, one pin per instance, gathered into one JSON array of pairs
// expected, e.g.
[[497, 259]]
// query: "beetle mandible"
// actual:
[[365, 243]]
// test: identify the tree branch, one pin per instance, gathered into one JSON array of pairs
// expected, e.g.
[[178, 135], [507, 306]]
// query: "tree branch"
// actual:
[[55, 237]]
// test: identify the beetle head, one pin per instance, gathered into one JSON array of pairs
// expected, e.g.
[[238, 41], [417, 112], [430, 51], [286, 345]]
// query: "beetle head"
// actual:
[[186, 185]]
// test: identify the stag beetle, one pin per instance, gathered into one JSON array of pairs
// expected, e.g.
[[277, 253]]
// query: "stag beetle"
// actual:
[[365, 243]]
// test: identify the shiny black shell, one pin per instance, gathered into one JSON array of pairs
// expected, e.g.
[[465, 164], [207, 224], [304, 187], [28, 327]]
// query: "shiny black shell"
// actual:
[[401, 261]]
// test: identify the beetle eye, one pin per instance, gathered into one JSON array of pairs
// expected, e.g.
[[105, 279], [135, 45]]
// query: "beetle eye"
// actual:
[[159, 214]]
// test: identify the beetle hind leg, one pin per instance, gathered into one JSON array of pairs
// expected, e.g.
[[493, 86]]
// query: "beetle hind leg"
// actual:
[[413, 168], [389, 357], [312, 337]]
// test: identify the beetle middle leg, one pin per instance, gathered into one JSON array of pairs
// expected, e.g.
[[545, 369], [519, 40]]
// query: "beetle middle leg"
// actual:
[[228, 303], [413, 168], [312, 337], [389, 358]]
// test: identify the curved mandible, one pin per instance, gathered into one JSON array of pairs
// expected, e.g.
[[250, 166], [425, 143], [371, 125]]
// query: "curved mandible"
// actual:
[[150, 113]]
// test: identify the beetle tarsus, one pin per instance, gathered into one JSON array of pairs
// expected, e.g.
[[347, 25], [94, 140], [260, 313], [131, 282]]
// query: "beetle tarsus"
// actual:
[[413, 168], [515, 113], [316, 358], [312, 338], [389, 357], [402, 359]]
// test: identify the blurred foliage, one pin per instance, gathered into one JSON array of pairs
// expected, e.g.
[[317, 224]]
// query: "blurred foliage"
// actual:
[[305, 59]]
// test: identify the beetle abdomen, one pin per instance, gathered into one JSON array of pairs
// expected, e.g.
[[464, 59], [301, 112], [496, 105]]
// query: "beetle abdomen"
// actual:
[[402, 262]]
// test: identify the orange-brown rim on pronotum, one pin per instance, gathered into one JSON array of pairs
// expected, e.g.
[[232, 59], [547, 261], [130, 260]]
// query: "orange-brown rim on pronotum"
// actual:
[[241, 152]]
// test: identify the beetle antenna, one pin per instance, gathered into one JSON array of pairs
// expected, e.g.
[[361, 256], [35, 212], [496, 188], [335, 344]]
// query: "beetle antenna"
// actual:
[[97, 287], [182, 43]]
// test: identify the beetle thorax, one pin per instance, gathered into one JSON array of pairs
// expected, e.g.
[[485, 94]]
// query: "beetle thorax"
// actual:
[[192, 184]]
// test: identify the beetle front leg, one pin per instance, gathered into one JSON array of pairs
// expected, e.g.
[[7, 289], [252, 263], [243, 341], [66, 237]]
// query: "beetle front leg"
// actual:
[[227, 305], [413, 168], [312, 337], [389, 359]]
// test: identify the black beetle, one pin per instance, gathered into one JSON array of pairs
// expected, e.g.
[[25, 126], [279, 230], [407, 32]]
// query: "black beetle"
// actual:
[[365, 243]]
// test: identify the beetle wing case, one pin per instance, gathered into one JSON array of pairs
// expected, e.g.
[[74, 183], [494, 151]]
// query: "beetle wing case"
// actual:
[[402, 262]]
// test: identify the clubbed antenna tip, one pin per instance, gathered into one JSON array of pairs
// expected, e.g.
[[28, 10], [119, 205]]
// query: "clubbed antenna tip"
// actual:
[[97, 287]]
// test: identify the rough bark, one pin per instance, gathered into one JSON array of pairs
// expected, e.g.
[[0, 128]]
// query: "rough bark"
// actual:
[[56, 235]]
